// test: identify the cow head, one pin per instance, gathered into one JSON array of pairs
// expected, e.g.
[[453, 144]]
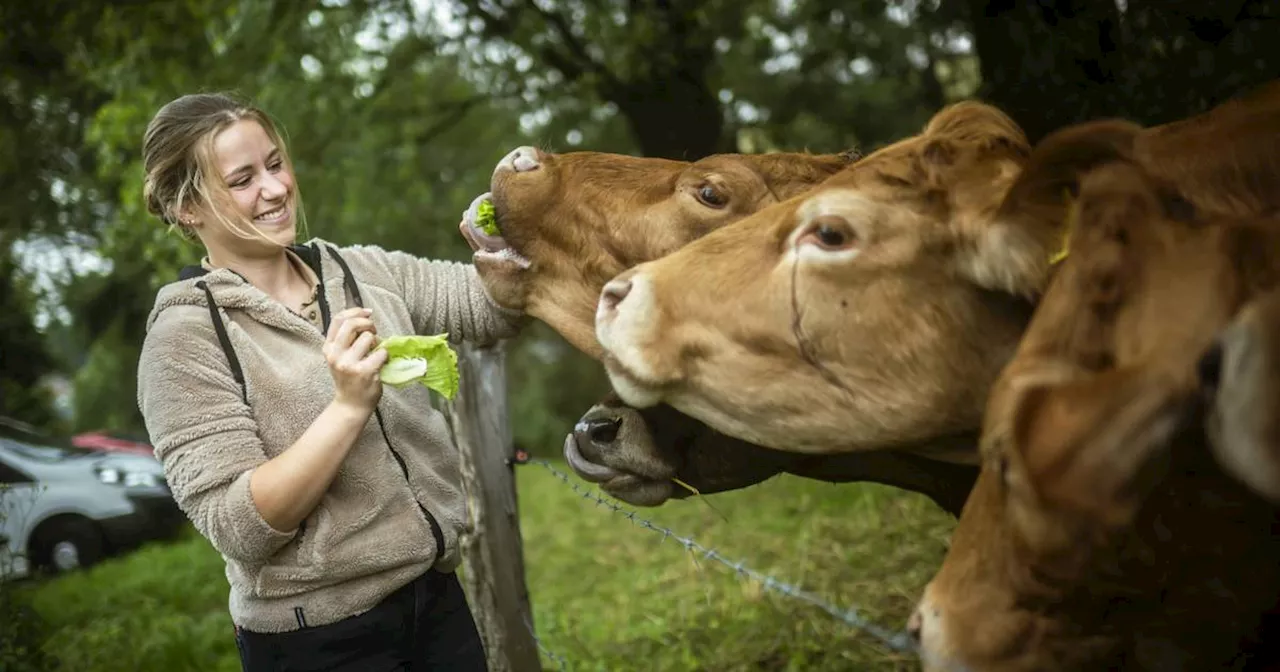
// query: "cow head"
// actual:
[[1102, 532], [872, 312], [637, 455], [576, 220]]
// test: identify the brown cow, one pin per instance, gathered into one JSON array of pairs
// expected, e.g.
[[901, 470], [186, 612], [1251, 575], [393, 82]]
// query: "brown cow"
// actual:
[[874, 310], [872, 313], [580, 218], [1117, 522]]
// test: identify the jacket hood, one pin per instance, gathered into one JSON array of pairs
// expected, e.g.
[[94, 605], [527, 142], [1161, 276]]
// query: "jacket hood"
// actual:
[[231, 291]]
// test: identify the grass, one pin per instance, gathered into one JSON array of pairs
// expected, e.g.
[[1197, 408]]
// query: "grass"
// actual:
[[607, 594]]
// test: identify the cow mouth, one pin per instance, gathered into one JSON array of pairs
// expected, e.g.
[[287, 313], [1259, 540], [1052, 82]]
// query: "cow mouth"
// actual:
[[635, 390], [633, 488], [487, 244], [586, 469]]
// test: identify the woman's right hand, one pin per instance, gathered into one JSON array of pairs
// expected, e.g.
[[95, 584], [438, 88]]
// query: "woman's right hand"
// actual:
[[348, 348]]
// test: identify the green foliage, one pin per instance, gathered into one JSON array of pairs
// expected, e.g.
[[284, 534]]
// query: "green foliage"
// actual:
[[106, 383], [163, 607], [23, 635], [607, 595], [23, 352], [395, 120], [552, 384]]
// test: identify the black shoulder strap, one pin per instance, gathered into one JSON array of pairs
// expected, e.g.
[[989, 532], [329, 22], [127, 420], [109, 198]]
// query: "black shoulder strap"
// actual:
[[225, 341], [348, 279]]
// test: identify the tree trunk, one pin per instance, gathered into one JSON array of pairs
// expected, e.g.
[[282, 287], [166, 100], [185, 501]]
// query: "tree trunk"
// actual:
[[675, 117], [1049, 64]]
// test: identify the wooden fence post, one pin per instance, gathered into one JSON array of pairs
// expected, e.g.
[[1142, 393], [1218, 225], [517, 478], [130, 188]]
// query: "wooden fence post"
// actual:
[[492, 551]]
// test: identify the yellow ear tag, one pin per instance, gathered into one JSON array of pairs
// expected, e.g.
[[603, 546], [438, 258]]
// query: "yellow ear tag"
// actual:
[[1073, 214]]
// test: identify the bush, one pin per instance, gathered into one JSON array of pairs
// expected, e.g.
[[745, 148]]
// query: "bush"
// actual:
[[23, 634]]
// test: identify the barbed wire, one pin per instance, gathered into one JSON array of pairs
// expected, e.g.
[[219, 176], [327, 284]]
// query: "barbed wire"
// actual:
[[561, 663], [898, 641]]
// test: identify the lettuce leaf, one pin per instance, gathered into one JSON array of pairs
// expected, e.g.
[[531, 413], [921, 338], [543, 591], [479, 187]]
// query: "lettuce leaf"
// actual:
[[427, 360], [486, 218]]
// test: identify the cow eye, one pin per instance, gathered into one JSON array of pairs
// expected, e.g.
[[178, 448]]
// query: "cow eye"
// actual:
[[831, 237], [711, 196], [830, 232]]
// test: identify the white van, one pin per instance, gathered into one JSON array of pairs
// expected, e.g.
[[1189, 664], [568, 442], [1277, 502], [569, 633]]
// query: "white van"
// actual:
[[63, 507]]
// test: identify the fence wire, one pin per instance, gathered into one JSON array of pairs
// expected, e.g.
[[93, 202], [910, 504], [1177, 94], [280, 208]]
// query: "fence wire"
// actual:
[[561, 663], [898, 641]]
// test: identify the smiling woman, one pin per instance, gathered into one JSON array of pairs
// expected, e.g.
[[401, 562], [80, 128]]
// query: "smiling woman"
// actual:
[[336, 506]]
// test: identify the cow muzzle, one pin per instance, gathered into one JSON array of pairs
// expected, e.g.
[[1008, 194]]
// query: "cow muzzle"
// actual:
[[522, 159], [613, 448], [628, 325]]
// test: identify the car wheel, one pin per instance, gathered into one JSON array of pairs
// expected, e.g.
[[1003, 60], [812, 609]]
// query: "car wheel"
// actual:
[[66, 544]]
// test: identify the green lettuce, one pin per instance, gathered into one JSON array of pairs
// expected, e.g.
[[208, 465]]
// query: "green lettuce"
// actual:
[[486, 218], [427, 360]]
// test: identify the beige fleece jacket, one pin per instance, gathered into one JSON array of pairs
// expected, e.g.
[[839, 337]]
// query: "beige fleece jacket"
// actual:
[[368, 535]]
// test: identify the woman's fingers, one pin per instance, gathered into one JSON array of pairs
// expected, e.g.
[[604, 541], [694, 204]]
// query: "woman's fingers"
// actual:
[[351, 328], [339, 318], [374, 361], [351, 356], [342, 319], [343, 330]]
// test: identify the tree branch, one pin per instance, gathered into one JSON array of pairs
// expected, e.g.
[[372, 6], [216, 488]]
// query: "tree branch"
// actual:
[[454, 112]]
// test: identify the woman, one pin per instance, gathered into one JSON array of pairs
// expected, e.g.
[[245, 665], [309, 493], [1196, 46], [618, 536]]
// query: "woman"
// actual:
[[336, 504]]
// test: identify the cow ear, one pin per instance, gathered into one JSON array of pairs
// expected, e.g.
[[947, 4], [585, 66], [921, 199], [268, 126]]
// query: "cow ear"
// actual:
[[1094, 446], [1241, 373], [1014, 250]]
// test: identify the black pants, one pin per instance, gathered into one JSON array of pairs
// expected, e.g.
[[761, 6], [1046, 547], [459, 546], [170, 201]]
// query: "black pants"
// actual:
[[424, 626]]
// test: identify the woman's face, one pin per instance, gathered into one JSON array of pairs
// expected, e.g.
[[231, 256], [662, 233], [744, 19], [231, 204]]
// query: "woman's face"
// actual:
[[260, 189]]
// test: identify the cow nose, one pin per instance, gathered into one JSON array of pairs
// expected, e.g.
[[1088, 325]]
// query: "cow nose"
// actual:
[[604, 430], [614, 293], [914, 625], [521, 160]]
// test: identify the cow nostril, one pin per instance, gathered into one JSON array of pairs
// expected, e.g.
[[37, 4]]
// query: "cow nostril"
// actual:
[[1209, 368], [915, 624], [614, 293], [604, 431], [520, 160], [525, 159]]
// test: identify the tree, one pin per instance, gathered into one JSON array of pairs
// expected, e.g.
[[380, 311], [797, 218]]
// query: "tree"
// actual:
[[687, 77], [1054, 63], [396, 118]]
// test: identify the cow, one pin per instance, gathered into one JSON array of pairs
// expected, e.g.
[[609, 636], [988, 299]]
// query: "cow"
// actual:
[[879, 307], [872, 313], [634, 455], [580, 218], [577, 219], [1125, 512]]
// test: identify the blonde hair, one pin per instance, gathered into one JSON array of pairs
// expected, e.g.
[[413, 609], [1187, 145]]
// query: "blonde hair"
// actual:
[[177, 159]]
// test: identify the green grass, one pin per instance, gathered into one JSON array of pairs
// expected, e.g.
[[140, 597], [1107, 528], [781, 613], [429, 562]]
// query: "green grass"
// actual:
[[607, 594]]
